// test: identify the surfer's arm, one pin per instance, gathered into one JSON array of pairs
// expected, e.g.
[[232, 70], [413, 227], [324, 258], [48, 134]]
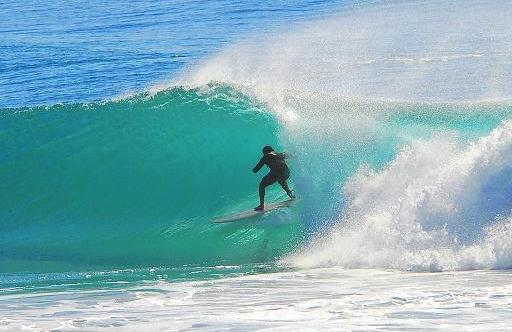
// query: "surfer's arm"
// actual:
[[258, 166]]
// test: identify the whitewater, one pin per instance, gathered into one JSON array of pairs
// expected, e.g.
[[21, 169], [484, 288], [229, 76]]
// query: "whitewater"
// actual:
[[397, 118]]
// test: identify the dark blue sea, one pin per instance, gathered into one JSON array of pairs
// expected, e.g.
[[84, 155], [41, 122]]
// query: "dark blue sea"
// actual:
[[76, 51]]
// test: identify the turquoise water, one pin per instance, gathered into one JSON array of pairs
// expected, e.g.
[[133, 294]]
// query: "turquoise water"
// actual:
[[135, 183]]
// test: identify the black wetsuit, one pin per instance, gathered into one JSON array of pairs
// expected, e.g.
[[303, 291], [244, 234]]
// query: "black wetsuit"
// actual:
[[279, 171]]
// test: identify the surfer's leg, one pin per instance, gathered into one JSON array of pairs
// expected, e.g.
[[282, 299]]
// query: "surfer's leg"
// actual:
[[266, 181], [262, 197], [284, 185]]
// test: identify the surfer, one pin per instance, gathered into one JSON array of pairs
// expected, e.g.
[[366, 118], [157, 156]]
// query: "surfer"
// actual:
[[279, 172]]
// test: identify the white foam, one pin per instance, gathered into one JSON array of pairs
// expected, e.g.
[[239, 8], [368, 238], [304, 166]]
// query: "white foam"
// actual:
[[427, 210], [321, 299]]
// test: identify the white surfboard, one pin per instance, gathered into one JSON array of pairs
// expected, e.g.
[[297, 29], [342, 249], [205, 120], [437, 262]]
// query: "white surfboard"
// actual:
[[252, 213]]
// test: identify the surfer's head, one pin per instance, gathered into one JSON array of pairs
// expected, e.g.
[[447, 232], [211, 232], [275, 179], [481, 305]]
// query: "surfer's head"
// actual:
[[267, 149]]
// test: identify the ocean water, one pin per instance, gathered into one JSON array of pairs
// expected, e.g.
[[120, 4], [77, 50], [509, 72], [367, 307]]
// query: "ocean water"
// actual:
[[126, 129]]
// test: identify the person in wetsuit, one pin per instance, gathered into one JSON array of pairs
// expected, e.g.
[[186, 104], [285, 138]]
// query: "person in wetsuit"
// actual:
[[279, 172]]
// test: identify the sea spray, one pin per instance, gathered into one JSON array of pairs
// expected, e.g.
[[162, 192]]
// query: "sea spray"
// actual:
[[432, 208], [416, 51]]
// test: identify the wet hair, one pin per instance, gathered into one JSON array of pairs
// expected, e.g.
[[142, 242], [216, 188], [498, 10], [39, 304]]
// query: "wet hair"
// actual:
[[267, 149]]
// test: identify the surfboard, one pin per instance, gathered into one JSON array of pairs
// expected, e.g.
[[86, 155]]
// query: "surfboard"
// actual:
[[252, 213]]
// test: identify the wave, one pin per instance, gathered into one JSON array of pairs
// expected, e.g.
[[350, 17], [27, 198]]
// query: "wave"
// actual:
[[395, 115], [136, 182]]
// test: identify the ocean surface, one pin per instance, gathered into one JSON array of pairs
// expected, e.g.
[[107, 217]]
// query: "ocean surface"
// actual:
[[127, 128]]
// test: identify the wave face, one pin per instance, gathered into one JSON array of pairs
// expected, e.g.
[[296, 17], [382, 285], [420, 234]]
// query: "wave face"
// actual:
[[134, 183]]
